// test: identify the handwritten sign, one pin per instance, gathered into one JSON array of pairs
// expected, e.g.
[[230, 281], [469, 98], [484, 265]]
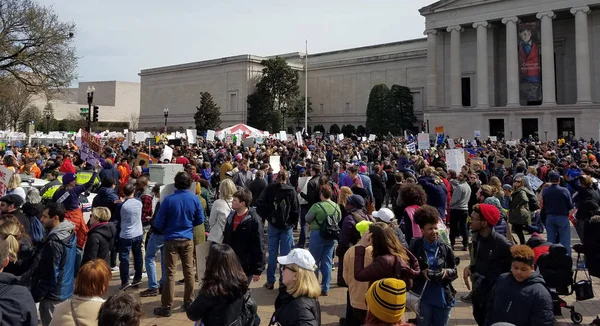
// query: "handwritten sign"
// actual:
[[455, 159], [91, 147], [439, 129], [210, 135], [5, 175], [423, 141]]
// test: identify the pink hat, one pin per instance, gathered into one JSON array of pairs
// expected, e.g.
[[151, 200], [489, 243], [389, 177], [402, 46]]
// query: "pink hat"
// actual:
[[363, 169]]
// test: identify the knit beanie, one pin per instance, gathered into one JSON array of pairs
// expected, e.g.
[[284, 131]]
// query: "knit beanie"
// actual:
[[386, 299], [490, 213]]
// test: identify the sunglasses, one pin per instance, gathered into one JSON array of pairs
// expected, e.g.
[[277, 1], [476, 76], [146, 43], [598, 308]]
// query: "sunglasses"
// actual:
[[289, 268]]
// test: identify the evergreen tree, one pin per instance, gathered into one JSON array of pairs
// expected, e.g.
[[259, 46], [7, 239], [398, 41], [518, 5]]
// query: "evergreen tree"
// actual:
[[400, 110], [348, 130], [297, 112], [208, 114], [319, 128], [334, 129], [377, 120], [360, 130]]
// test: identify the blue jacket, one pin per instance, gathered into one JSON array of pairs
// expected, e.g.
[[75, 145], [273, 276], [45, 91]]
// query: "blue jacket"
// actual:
[[366, 183], [106, 197], [557, 200], [16, 303], [178, 214], [55, 265], [436, 194]]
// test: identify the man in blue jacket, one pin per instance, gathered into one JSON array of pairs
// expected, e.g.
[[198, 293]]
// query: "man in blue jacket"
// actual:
[[557, 205], [52, 279], [177, 216]]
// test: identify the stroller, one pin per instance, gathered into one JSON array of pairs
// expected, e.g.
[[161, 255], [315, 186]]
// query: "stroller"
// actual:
[[557, 269]]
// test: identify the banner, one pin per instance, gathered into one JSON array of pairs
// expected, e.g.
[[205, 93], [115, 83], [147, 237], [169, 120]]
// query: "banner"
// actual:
[[191, 136], [210, 135], [530, 82], [275, 163], [439, 129], [90, 149], [455, 159], [5, 174], [423, 141], [167, 154]]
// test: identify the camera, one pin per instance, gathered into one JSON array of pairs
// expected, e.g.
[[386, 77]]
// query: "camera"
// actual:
[[435, 276]]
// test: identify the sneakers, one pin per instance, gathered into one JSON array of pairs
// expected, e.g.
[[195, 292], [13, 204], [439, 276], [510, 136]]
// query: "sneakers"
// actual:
[[269, 286], [149, 293], [181, 281], [163, 311], [125, 286], [136, 283], [466, 298], [115, 269], [324, 294], [144, 275]]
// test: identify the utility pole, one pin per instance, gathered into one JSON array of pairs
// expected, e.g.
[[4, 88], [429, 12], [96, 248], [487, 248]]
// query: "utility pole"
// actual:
[[306, 87]]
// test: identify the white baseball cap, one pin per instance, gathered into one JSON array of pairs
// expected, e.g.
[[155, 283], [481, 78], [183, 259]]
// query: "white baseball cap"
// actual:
[[300, 257], [385, 215]]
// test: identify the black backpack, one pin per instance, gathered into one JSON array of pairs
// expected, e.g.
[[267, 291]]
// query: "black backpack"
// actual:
[[533, 202], [329, 229], [280, 212]]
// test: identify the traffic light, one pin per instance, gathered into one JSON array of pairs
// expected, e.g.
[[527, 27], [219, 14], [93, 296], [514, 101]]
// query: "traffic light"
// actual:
[[95, 117], [423, 127]]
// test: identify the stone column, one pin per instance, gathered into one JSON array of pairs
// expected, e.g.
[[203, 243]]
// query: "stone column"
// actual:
[[582, 51], [548, 79], [455, 69], [512, 62], [483, 93], [432, 36]]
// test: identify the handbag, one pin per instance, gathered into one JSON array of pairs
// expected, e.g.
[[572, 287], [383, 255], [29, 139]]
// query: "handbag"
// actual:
[[413, 299]]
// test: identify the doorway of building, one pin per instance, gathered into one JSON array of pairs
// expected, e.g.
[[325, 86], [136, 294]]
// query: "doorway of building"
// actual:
[[497, 128], [530, 128], [565, 127]]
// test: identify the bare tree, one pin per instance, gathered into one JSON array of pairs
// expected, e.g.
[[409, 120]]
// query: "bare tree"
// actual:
[[14, 99], [35, 46], [134, 121]]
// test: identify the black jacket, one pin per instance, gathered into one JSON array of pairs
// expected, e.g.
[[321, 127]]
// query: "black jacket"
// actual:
[[215, 310], [106, 197], [377, 185], [25, 257], [16, 303], [492, 258], [521, 304], [247, 241], [99, 243], [312, 195], [445, 260], [278, 204], [256, 187], [290, 311]]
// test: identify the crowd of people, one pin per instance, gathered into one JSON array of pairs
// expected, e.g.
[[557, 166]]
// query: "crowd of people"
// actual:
[[395, 220]]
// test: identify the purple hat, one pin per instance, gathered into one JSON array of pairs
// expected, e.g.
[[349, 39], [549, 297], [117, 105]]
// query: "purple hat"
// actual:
[[68, 178]]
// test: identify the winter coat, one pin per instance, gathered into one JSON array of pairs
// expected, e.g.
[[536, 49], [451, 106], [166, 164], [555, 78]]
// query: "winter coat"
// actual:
[[256, 187], [377, 185], [591, 245], [587, 202], [215, 310], [436, 194], [520, 303], [460, 195], [278, 204], [85, 309], [290, 311], [54, 265], [312, 195], [384, 267], [100, 242], [16, 304], [106, 197], [445, 260], [109, 171], [519, 208], [25, 257], [247, 241]]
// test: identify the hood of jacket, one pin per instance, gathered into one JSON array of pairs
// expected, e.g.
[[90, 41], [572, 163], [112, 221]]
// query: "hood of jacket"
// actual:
[[63, 231], [105, 192], [536, 277], [107, 165], [285, 188], [106, 229]]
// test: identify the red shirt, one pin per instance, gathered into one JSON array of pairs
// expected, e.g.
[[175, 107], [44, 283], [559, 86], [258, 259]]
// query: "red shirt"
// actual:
[[237, 219], [182, 160]]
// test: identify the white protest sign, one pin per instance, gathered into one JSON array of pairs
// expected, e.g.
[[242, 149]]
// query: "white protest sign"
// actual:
[[493, 138], [364, 138], [534, 181], [167, 154], [275, 163], [455, 159], [238, 140], [5, 174], [302, 185], [511, 142], [283, 135], [477, 133], [299, 139], [423, 141], [210, 135], [340, 137], [372, 137], [451, 143], [331, 138], [411, 147], [474, 143], [191, 135]]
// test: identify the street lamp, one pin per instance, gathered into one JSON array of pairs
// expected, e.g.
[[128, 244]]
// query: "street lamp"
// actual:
[[47, 116], [90, 100], [166, 112], [546, 132], [283, 110]]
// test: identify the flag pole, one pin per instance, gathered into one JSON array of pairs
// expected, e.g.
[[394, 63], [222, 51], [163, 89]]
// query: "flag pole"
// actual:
[[306, 87]]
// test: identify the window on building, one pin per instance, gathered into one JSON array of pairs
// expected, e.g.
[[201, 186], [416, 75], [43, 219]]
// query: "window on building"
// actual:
[[565, 127], [530, 128], [466, 91], [347, 107], [233, 102], [322, 107], [497, 128]]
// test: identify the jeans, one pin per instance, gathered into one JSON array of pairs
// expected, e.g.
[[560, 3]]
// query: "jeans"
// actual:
[[458, 226], [322, 251], [303, 227], [155, 243], [47, 310], [135, 246], [559, 231], [433, 316], [281, 239], [183, 249], [518, 230]]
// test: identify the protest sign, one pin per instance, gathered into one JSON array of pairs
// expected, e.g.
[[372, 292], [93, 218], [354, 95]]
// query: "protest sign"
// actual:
[[191, 136], [340, 137], [210, 135], [534, 181], [372, 137], [423, 141], [439, 129], [249, 142], [5, 175], [411, 147], [229, 139], [511, 142], [299, 138], [493, 138], [275, 163], [477, 160], [477, 133], [90, 149], [455, 159], [302, 185], [283, 135], [167, 154], [238, 140], [451, 143]]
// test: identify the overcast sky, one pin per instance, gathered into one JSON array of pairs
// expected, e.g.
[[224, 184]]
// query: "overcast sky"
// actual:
[[116, 39]]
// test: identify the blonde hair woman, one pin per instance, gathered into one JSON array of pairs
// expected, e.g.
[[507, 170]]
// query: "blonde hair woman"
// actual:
[[297, 302], [14, 186], [345, 192], [220, 210], [20, 249], [101, 236]]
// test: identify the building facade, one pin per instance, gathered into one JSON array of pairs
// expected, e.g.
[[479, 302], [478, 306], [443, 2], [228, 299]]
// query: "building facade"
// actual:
[[509, 68]]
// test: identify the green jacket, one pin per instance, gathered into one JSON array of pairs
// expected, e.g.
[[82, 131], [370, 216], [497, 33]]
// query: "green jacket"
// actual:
[[519, 208]]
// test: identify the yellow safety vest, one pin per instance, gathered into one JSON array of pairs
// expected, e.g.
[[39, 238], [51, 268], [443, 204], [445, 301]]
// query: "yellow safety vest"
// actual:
[[84, 177]]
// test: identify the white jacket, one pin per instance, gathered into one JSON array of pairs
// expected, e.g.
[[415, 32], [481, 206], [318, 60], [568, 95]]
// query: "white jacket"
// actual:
[[218, 218]]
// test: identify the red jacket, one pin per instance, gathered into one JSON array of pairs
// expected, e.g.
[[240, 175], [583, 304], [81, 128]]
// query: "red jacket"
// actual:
[[67, 166]]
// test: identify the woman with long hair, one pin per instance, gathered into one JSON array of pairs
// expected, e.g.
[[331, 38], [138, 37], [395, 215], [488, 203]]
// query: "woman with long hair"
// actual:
[[345, 192], [220, 210], [224, 295], [14, 186], [497, 185], [297, 302], [21, 251], [91, 285], [412, 196], [390, 258]]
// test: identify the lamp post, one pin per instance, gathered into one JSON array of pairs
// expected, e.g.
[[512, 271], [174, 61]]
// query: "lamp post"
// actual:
[[90, 100], [166, 112], [47, 116], [283, 111], [546, 132]]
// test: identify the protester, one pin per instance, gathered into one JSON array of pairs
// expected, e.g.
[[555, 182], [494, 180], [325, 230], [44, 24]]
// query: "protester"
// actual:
[[153, 245], [16, 303], [14, 187], [349, 236], [121, 309], [356, 308], [221, 210], [412, 196], [90, 286], [224, 290], [386, 300], [557, 206], [179, 213], [459, 210], [519, 215], [101, 236], [386, 216], [130, 237], [10, 205], [21, 251], [297, 302]]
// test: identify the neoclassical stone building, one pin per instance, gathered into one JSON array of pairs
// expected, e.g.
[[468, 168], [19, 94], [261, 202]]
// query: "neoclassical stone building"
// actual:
[[504, 67]]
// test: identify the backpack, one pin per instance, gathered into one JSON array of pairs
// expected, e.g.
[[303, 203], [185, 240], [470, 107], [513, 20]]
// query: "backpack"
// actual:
[[329, 229], [37, 231], [532, 201], [248, 316], [280, 212], [335, 191]]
